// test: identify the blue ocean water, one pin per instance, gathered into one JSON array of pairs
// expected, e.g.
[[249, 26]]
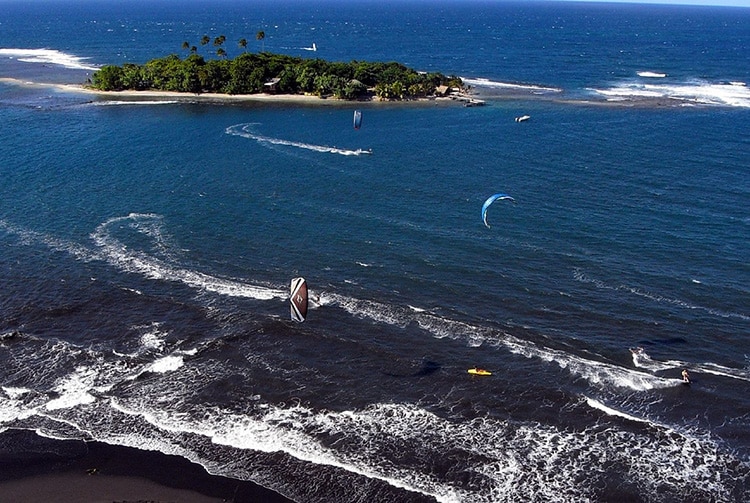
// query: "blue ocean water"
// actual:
[[148, 247]]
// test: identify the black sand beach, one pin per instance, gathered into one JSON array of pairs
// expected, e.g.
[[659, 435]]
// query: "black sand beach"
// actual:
[[36, 469]]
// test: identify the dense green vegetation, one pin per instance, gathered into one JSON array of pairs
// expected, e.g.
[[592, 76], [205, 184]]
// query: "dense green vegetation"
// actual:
[[248, 72]]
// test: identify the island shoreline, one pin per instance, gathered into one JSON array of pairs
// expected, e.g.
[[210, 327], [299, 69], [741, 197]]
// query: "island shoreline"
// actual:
[[155, 95]]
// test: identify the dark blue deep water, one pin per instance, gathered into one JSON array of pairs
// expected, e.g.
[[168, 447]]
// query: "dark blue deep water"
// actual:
[[147, 249]]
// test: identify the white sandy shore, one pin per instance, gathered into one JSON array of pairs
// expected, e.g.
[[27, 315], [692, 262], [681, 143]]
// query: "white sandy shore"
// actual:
[[208, 97]]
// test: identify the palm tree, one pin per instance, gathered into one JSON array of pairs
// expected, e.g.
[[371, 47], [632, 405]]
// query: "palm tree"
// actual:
[[219, 40], [221, 52], [205, 40], [185, 45], [243, 43], [260, 36]]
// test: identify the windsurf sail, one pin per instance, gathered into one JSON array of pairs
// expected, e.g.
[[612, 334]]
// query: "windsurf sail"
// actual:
[[491, 200], [298, 299], [357, 119]]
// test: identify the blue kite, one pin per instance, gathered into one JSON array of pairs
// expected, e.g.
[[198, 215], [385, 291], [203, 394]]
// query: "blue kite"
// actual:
[[491, 200]]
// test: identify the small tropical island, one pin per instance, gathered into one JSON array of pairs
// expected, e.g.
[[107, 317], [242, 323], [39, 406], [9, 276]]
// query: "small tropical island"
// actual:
[[269, 73]]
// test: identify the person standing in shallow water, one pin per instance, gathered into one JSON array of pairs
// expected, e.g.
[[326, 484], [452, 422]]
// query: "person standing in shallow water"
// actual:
[[685, 376]]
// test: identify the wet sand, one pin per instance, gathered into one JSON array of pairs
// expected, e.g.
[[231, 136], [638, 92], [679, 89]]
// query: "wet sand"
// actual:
[[34, 468]]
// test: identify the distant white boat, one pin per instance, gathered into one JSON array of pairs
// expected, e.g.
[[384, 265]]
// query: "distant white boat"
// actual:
[[313, 48], [523, 118], [652, 75]]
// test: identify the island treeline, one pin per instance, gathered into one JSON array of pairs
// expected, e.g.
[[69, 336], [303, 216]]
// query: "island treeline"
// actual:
[[251, 73]]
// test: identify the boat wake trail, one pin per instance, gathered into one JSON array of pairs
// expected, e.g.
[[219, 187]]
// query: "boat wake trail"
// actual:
[[247, 131]]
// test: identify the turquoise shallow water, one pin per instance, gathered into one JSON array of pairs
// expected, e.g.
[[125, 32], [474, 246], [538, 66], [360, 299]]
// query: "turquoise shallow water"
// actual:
[[148, 248]]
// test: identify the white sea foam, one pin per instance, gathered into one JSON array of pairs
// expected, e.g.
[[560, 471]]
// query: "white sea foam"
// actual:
[[73, 389], [14, 393], [596, 404], [48, 57], [168, 363], [690, 92], [641, 359], [246, 131], [29, 237], [720, 370], [516, 461], [593, 371], [480, 82], [121, 256], [281, 429], [133, 102], [14, 407], [153, 337]]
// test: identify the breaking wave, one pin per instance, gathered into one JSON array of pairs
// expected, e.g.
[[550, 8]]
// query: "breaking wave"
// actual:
[[500, 459], [48, 57], [147, 399], [510, 86], [695, 92]]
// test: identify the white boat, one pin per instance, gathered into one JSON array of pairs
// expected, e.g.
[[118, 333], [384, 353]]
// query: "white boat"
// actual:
[[523, 118]]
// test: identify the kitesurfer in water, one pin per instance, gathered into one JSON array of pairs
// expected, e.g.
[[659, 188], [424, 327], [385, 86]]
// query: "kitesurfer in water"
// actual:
[[685, 376]]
